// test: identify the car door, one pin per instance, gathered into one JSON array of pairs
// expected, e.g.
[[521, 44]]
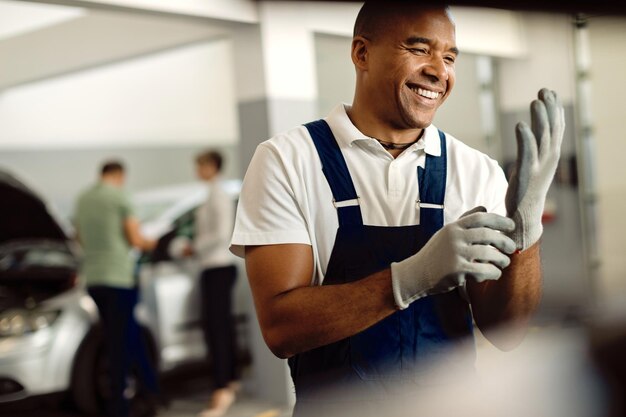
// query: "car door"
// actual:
[[170, 296]]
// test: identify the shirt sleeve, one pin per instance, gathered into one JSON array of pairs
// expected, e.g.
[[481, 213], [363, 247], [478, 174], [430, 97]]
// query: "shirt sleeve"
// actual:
[[126, 208], [268, 211]]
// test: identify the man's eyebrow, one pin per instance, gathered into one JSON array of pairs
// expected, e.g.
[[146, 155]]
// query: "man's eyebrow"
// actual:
[[417, 39], [412, 40]]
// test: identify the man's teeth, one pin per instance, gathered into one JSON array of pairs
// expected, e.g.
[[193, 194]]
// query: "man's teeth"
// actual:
[[426, 93]]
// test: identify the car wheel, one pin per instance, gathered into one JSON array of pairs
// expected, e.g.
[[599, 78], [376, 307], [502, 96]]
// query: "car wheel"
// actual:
[[87, 384], [90, 380]]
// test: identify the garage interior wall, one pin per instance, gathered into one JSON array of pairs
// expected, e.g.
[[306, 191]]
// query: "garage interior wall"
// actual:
[[153, 112], [607, 37], [549, 63]]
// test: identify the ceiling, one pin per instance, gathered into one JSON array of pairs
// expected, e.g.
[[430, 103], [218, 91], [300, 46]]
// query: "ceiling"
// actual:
[[595, 7], [39, 41]]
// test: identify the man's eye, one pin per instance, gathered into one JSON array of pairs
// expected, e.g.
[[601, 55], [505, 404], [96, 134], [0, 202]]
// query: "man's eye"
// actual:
[[450, 59], [419, 50]]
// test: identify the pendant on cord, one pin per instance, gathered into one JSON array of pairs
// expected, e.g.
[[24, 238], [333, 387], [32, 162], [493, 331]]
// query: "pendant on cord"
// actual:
[[393, 146]]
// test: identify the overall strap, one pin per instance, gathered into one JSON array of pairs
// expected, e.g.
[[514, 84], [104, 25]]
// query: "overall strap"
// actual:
[[432, 189], [345, 198]]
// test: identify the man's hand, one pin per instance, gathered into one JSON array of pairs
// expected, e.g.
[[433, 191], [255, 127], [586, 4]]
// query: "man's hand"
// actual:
[[471, 245], [134, 236], [538, 151], [180, 247]]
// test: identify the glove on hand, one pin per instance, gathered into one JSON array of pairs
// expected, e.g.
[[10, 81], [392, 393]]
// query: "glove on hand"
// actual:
[[538, 151], [467, 246]]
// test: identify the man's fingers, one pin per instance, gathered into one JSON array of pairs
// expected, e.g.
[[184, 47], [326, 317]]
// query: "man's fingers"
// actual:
[[540, 124], [526, 156], [483, 272], [485, 236], [487, 254], [556, 116], [551, 103], [559, 125], [527, 148], [477, 209], [490, 220]]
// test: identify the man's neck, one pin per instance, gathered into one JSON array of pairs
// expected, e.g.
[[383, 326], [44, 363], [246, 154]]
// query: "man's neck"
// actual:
[[111, 182], [213, 179], [370, 126]]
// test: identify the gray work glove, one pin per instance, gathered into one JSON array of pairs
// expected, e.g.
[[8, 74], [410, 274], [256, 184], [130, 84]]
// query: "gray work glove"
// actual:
[[538, 151], [471, 245]]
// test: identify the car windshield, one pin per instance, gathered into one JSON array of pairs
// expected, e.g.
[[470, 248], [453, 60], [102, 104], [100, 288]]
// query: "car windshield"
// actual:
[[34, 255], [151, 204], [147, 211]]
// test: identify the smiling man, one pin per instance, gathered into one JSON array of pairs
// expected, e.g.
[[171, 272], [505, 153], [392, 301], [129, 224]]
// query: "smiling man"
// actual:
[[368, 235]]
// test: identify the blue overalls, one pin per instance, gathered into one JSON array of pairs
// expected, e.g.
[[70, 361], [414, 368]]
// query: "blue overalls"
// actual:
[[383, 357]]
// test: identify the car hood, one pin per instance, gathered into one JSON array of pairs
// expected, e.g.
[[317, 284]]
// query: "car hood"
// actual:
[[23, 215]]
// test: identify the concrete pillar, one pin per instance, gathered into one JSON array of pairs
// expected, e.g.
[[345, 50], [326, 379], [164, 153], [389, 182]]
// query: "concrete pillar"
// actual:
[[275, 76], [276, 90]]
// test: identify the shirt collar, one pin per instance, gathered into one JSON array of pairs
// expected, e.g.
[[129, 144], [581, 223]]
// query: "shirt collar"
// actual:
[[347, 133]]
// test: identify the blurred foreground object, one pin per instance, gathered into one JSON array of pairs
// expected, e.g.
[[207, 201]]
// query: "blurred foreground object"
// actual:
[[551, 374], [572, 6], [607, 339]]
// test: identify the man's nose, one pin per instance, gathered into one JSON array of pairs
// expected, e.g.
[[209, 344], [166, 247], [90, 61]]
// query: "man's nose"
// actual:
[[437, 68]]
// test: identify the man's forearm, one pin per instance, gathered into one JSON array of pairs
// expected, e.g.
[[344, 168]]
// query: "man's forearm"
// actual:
[[308, 317], [502, 309]]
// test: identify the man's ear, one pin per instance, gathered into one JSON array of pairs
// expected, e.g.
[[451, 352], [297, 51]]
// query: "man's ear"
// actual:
[[360, 52]]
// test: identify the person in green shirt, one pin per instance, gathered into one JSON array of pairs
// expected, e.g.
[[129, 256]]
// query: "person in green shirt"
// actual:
[[108, 230]]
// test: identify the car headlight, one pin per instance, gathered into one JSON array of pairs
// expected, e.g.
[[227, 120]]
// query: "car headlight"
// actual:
[[19, 322]]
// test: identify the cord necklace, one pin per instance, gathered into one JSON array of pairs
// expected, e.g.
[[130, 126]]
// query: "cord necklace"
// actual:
[[392, 146]]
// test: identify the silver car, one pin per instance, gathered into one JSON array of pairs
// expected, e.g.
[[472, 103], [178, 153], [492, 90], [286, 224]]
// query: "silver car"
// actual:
[[50, 340], [170, 287]]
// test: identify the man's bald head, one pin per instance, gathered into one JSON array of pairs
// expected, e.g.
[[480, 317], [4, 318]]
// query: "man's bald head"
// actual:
[[376, 17]]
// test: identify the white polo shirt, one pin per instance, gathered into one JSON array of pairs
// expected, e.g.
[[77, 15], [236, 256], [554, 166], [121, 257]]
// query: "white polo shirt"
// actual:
[[213, 227], [286, 198]]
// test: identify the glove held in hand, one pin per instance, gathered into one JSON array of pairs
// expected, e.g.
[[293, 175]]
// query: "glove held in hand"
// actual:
[[472, 245]]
